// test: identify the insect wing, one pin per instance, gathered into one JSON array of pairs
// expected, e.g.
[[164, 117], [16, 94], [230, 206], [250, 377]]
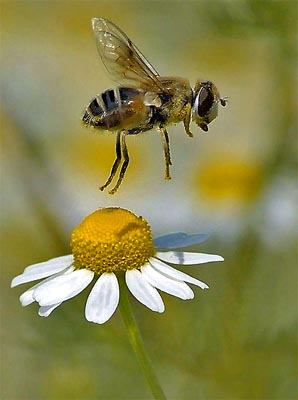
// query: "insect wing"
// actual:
[[122, 59]]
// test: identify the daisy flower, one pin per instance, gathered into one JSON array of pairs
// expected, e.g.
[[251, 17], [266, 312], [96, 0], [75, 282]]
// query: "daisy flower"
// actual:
[[109, 243]]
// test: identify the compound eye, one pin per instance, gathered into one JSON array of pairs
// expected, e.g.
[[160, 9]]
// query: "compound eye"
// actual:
[[204, 100]]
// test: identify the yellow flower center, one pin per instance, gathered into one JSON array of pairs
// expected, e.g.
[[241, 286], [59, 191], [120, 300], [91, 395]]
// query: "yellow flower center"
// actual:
[[111, 239]]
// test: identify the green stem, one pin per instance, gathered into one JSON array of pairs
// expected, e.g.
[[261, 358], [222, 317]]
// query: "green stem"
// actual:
[[137, 342]]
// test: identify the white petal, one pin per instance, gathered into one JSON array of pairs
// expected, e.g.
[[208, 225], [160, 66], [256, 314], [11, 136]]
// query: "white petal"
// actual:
[[43, 270], [186, 258], [168, 285], [27, 297], [174, 273], [63, 287], [143, 291], [179, 239], [103, 299], [64, 261], [45, 311]]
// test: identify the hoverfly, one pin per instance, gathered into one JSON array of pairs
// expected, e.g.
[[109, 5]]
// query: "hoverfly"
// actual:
[[144, 99]]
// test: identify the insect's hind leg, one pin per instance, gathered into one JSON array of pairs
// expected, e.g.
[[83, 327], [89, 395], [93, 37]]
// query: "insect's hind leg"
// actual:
[[166, 149], [125, 162], [116, 162]]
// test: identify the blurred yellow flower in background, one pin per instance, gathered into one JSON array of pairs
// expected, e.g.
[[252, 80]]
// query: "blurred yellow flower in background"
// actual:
[[229, 180]]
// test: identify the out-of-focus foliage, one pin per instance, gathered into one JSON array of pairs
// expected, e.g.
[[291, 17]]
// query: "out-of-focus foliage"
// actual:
[[238, 182]]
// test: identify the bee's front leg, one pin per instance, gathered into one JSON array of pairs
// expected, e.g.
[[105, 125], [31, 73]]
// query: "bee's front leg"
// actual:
[[166, 149], [187, 120]]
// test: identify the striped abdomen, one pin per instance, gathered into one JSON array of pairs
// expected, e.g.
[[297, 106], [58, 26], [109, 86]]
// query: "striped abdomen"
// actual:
[[117, 109]]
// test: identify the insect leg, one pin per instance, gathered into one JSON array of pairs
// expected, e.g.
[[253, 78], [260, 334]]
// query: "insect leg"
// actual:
[[125, 162], [166, 149], [186, 121], [116, 162]]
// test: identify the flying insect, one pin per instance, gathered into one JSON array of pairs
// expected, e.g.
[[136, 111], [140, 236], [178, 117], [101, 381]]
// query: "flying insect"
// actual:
[[144, 99]]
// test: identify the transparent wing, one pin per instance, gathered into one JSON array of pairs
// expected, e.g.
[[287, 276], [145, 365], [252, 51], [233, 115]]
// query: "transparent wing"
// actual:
[[122, 59]]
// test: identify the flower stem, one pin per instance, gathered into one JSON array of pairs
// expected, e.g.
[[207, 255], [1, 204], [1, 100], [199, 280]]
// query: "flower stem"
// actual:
[[137, 342]]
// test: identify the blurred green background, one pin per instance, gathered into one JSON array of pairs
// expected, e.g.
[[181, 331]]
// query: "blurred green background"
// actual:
[[238, 183]]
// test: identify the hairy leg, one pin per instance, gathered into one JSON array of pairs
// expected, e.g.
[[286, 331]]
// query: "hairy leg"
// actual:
[[116, 162], [166, 149], [125, 163]]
